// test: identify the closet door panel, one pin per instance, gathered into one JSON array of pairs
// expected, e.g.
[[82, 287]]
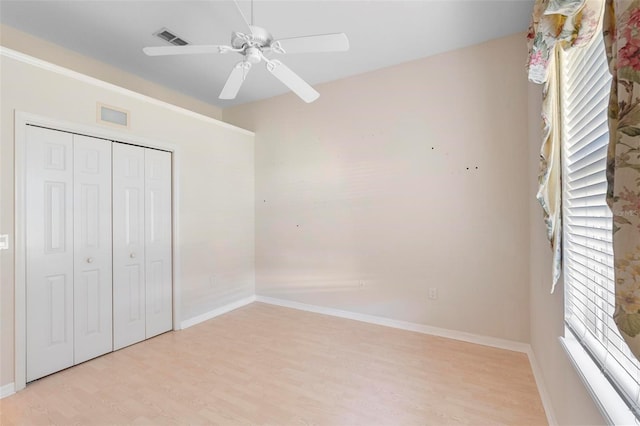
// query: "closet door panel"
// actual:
[[49, 242], [92, 248], [128, 245], [158, 242]]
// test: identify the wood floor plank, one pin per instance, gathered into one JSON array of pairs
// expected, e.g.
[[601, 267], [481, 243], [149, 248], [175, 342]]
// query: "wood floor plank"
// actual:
[[270, 365]]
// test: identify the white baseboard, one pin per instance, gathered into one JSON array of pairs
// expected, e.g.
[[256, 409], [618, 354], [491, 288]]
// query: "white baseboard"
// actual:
[[216, 312], [7, 390], [403, 325], [542, 388]]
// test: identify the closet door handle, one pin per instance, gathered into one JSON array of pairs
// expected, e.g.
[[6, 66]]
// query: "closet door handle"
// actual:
[[90, 260], [132, 255]]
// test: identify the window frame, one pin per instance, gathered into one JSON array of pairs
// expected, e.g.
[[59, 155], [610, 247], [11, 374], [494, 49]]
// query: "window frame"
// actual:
[[608, 399]]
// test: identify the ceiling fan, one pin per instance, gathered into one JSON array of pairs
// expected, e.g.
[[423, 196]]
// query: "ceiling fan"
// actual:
[[254, 43]]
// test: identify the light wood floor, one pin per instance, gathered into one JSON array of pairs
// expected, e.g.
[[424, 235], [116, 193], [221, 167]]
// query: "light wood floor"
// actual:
[[264, 364]]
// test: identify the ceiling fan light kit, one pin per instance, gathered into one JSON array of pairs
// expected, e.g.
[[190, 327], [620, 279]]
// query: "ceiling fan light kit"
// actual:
[[253, 45]]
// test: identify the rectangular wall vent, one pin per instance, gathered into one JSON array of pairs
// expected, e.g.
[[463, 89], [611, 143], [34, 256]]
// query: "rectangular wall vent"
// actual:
[[112, 116], [170, 37]]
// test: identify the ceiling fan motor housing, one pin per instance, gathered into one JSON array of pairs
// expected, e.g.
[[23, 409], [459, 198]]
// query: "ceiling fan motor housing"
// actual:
[[253, 54], [259, 37]]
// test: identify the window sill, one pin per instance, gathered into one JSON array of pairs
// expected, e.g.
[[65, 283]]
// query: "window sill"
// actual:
[[613, 408]]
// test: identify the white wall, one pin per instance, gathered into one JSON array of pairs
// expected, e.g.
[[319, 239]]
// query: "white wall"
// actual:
[[571, 402], [369, 185], [216, 187]]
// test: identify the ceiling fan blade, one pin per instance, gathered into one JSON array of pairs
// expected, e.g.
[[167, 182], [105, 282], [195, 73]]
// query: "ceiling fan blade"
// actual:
[[235, 80], [185, 50], [317, 43], [292, 81]]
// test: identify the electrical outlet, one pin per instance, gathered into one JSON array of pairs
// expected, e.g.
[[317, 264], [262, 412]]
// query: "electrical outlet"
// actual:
[[433, 293], [362, 283], [4, 242]]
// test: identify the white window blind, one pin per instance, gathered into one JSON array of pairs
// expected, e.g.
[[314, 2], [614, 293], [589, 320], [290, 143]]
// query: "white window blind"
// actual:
[[588, 256]]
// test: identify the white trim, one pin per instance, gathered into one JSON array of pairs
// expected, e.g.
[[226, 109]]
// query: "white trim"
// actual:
[[542, 388], [611, 405], [20, 258], [7, 390], [21, 120], [217, 312], [403, 325], [18, 56], [175, 246]]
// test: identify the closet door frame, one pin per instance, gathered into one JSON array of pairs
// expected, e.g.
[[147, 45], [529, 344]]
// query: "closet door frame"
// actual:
[[21, 121]]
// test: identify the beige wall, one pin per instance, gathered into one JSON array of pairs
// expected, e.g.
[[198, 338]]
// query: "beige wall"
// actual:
[[216, 187], [39, 48], [571, 402], [370, 195]]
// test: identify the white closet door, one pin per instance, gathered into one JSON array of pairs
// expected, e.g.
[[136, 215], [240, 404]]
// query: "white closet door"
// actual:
[[49, 242], [128, 245], [158, 242], [92, 247]]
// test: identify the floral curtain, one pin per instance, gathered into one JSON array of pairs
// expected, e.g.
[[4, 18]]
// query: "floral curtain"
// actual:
[[555, 24], [621, 30]]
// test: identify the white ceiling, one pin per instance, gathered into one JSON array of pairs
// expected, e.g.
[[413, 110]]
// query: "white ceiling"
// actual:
[[381, 34]]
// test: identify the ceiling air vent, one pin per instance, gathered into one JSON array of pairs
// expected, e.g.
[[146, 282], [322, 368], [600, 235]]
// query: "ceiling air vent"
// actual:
[[167, 35]]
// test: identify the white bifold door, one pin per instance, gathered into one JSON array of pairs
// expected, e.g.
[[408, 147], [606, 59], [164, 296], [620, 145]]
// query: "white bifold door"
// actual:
[[142, 291], [92, 283], [68, 233], [157, 242], [98, 239]]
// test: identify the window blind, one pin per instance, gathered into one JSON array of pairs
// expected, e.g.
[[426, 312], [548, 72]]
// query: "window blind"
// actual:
[[587, 249]]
